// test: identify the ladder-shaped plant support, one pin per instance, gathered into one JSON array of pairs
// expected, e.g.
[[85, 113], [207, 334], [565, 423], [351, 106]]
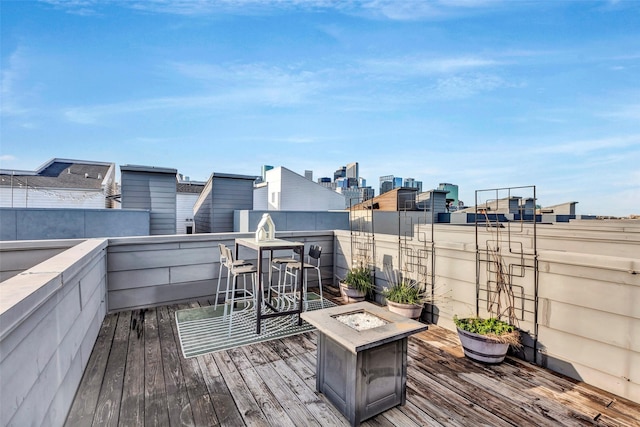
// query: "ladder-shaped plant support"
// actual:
[[416, 248], [507, 259], [362, 237]]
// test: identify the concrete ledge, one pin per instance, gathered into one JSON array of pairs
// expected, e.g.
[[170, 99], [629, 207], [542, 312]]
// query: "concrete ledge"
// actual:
[[21, 295]]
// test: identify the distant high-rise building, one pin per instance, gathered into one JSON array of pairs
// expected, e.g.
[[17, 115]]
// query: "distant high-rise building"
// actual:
[[412, 183], [389, 182], [263, 171], [362, 182], [452, 196], [340, 173], [386, 183], [342, 182], [326, 182], [352, 171], [308, 174]]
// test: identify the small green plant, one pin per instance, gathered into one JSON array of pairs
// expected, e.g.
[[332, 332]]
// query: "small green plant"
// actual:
[[360, 279], [404, 292], [492, 327]]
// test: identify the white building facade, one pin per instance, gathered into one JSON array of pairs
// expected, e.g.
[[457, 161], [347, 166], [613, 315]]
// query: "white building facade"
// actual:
[[285, 190]]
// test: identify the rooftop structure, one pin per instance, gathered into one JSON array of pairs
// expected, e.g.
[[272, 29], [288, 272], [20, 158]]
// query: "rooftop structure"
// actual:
[[65, 183], [286, 190]]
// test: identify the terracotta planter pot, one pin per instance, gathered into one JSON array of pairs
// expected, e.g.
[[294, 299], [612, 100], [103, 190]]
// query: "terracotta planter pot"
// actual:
[[412, 311], [350, 294], [482, 349]]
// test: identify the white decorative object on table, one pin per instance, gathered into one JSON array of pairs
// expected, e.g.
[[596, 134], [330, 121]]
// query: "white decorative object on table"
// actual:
[[266, 229]]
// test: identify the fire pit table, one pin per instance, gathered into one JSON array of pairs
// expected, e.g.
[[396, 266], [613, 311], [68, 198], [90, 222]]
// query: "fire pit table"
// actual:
[[362, 358]]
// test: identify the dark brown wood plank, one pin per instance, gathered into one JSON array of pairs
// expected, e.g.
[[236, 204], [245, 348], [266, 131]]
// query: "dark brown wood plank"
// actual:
[[593, 402], [455, 404], [201, 405], [271, 408], [287, 398], [108, 408], [317, 406], [132, 407], [381, 421], [242, 396], [260, 354], [86, 399], [155, 393], [306, 370], [397, 418], [445, 370], [179, 406], [418, 415], [221, 397]]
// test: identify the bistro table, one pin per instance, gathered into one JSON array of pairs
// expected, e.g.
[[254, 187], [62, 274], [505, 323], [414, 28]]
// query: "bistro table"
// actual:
[[270, 245]]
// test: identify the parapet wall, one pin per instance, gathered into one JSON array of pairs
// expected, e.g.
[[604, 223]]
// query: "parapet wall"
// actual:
[[586, 315], [50, 316], [160, 270], [61, 223]]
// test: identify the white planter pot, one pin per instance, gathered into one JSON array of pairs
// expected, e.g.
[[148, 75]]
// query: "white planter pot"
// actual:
[[412, 311], [482, 349], [350, 294]]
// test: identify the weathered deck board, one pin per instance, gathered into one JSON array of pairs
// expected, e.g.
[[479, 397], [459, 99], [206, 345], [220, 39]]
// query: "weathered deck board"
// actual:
[[200, 401], [137, 375], [108, 408], [84, 404], [179, 407], [132, 407], [156, 411]]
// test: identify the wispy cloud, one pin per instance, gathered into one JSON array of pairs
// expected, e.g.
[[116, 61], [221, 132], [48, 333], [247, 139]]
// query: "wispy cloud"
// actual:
[[583, 147], [456, 87], [12, 71], [419, 10], [378, 9], [426, 66], [627, 112]]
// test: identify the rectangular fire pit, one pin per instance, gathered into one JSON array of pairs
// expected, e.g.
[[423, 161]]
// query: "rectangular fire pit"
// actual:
[[362, 358]]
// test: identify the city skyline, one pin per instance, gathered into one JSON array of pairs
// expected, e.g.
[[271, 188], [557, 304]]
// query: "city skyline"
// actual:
[[482, 94]]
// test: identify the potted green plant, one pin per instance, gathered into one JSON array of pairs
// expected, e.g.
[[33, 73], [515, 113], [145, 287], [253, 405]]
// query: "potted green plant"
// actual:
[[405, 297], [486, 340], [356, 284]]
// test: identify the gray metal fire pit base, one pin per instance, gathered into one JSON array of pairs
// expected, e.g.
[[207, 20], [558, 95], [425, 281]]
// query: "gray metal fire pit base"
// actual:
[[362, 371], [363, 384]]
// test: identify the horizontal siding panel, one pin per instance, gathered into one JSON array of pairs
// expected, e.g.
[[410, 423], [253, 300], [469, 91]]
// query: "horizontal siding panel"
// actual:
[[192, 273], [156, 259], [159, 295], [131, 279]]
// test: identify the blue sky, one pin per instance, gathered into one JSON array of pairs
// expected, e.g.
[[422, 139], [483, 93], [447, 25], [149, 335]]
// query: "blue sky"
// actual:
[[478, 93]]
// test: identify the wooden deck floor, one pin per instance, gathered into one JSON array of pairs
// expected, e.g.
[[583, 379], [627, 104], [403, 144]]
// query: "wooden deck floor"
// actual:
[[137, 376]]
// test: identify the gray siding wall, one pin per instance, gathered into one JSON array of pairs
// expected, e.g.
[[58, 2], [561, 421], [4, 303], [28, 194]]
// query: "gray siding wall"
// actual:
[[16, 257], [57, 223], [247, 221], [184, 211], [229, 195], [222, 195], [155, 192], [202, 215], [50, 319], [152, 271]]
